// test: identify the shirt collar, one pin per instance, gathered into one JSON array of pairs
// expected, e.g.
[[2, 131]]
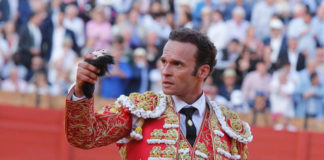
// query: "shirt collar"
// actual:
[[199, 104]]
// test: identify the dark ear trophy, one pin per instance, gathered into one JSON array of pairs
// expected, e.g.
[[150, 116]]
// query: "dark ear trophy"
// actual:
[[101, 62]]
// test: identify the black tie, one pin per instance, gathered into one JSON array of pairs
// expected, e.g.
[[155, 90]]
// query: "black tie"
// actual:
[[190, 126]]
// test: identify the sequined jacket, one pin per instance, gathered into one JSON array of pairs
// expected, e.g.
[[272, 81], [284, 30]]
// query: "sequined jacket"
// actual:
[[156, 135]]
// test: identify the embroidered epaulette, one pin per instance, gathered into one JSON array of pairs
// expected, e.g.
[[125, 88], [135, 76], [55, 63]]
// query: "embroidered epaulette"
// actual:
[[146, 105], [231, 124], [142, 106]]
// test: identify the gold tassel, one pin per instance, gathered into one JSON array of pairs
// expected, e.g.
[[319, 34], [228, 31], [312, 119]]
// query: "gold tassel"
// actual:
[[122, 152], [234, 149], [138, 129], [245, 153]]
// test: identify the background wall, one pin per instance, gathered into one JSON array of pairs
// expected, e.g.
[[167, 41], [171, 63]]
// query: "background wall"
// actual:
[[38, 134]]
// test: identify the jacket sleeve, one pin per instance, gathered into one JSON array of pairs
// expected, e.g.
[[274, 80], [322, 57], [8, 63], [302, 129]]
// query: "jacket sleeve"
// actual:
[[86, 129]]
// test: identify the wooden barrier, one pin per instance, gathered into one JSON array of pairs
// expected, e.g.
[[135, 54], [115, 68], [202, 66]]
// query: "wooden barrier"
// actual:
[[37, 134]]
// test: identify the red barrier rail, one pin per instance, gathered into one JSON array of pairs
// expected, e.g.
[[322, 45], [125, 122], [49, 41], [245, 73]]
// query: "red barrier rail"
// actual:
[[38, 134]]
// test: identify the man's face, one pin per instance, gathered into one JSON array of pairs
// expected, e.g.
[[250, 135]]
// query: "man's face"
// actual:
[[178, 64]]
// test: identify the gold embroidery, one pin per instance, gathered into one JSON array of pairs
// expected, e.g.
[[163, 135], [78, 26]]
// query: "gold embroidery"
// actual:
[[245, 152], [184, 150], [169, 152], [184, 157], [201, 147], [172, 119], [183, 144], [218, 157], [235, 123], [224, 146], [102, 129], [157, 134], [147, 101], [172, 134], [155, 152]]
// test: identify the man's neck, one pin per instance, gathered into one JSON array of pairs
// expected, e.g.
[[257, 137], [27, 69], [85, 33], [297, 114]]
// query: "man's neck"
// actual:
[[190, 98]]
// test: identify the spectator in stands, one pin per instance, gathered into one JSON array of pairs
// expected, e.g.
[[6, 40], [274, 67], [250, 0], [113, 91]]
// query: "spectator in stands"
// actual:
[[260, 110], [61, 85], [137, 30], [37, 65], [139, 82], [156, 21], [64, 63], [5, 11], [282, 88], [156, 78], [252, 42], [313, 97], [120, 25], [24, 12], [277, 39], [55, 37], [98, 29], [39, 84], [319, 58], [13, 83], [11, 37], [256, 81], [217, 31], [199, 7], [293, 56], [229, 84], [13, 8], [304, 87], [212, 92], [318, 25], [74, 23], [114, 84], [237, 103], [13, 63], [261, 16], [4, 51], [238, 3], [153, 49], [205, 19], [122, 6], [30, 39], [237, 26], [229, 55], [245, 63], [301, 28], [226, 59], [185, 20]]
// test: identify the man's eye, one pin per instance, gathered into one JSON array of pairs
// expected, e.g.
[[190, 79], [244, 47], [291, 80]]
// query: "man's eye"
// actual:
[[177, 64]]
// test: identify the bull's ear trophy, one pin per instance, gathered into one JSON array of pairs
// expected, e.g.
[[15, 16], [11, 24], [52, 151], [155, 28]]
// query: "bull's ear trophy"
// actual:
[[101, 62]]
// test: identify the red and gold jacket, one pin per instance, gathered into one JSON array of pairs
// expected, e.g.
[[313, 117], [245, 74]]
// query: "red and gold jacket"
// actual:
[[157, 134]]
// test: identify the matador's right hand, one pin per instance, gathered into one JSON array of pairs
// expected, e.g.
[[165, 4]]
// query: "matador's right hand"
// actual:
[[85, 73]]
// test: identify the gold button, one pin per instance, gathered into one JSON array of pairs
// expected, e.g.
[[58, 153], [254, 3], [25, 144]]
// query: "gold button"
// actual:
[[189, 122]]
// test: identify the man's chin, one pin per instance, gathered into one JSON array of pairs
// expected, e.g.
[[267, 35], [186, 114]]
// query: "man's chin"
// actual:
[[167, 91]]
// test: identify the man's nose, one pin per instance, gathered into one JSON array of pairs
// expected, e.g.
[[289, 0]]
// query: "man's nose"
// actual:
[[166, 70]]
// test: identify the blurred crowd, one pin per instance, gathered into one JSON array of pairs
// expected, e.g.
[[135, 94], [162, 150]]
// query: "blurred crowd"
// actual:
[[270, 52]]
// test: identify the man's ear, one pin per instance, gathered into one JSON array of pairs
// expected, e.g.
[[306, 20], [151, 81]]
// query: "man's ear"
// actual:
[[203, 71]]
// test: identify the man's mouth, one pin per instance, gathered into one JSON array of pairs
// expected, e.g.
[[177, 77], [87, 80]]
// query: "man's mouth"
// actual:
[[167, 83]]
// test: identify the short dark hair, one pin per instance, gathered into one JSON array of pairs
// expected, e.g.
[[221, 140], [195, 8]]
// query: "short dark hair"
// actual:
[[206, 51]]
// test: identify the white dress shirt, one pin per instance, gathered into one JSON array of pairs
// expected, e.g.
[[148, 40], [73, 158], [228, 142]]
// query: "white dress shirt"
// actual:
[[198, 115]]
